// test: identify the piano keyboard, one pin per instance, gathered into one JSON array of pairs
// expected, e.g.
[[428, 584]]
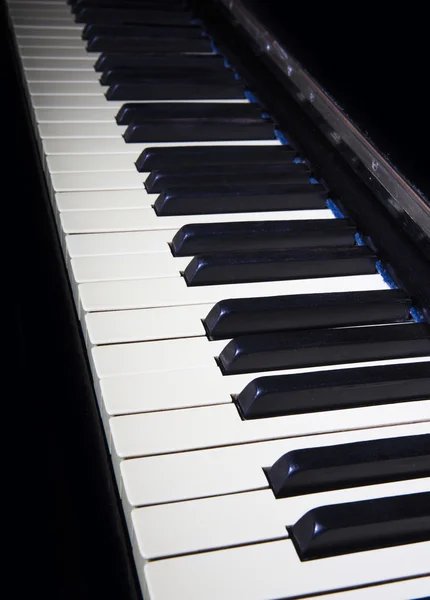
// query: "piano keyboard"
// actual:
[[263, 391]]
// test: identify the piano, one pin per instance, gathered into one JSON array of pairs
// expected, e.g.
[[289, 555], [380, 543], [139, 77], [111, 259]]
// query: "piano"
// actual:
[[224, 312]]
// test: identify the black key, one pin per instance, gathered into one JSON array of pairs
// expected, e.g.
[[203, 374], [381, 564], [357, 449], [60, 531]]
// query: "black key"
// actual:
[[281, 395], [150, 46], [123, 60], [175, 77], [185, 112], [240, 316], [164, 158], [261, 235], [232, 174], [187, 90], [296, 349], [148, 31], [357, 526], [242, 267], [244, 198], [310, 470], [117, 15]]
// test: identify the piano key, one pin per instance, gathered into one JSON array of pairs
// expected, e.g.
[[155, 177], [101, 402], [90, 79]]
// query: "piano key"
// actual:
[[78, 115], [270, 396], [167, 431], [177, 131], [163, 158], [29, 29], [57, 64], [118, 145], [224, 470], [43, 51], [233, 175], [80, 130], [173, 6], [261, 235], [64, 88], [143, 113], [243, 267], [269, 351], [171, 76], [106, 244], [364, 525], [173, 291], [119, 267], [125, 15], [91, 30], [230, 318], [285, 575], [163, 90], [257, 516], [75, 163], [123, 60], [89, 181], [148, 45], [307, 471], [49, 76], [239, 198], [397, 590]]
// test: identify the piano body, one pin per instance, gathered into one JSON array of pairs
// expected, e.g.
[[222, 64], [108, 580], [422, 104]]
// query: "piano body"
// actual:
[[225, 311]]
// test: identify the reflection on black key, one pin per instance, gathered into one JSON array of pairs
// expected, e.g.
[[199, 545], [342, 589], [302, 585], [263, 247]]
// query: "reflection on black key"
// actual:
[[242, 267], [147, 113], [104, 43], [187, 90], [233, 175], [295, 349], [242, 198], [357, 526], [99, 14], [149, 31], [164, 158], [239, 316], [261, 235], [333, 390], [312, 470], [124, 60]]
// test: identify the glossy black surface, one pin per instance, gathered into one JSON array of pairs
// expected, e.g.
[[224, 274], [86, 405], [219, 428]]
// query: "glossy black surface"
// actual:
[[125, 44], [261, 235], [333, 390], [319, 469], [162, 60], [92, 30], [294, 349], [241, 267], [180, 91], [357, 526], [119, 15], [162, 158], [232, 175], [240, 316], [241, 198], [185, 112]]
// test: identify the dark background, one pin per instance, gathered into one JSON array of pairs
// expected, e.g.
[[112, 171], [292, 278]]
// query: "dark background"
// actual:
[[374, 61]]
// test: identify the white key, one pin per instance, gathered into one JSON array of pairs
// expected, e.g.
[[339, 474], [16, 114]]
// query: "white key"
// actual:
[[227, 470], [169, 431], [133, 219], [42, 101], [204, 386], [273, 570], [117, 180], [96, 202], [151, 324], [29, 29], [79, 115], [173, 291], [58, 64], [33, 49], [81, 130], [52, 20], [239, 519], [69, 76], [66, 89], [106, 244], [60, 163], [397, 590], [125, 266]]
